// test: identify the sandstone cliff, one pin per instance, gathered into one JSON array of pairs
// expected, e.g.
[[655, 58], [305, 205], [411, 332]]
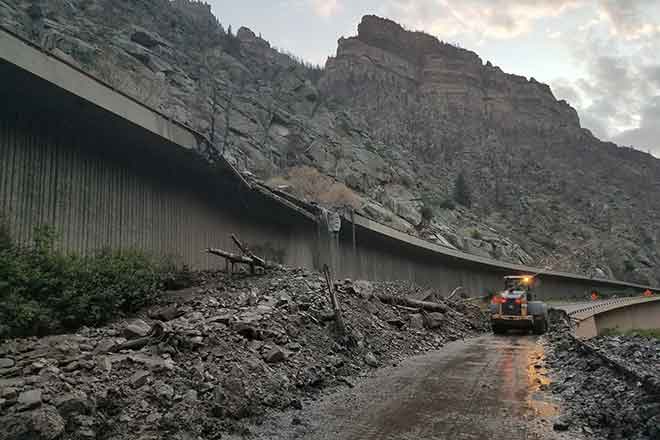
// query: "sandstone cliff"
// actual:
[[395, 116]]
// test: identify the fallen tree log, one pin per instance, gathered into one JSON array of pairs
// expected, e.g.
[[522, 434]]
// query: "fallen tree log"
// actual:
[[407, 302], [241, 259], [247, 251], [235, 258]]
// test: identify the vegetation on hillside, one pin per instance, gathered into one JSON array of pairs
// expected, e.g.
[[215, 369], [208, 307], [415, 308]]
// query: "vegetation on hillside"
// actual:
[[308, 183], [44, 290]]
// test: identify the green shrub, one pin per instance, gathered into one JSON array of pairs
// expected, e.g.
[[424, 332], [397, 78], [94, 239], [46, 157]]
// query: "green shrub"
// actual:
[[427, 213], [476, 234], [462, 192], [44, 290], [447, 204]]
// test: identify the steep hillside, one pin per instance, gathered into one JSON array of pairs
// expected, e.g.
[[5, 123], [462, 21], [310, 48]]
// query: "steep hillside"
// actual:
[[394, 118]]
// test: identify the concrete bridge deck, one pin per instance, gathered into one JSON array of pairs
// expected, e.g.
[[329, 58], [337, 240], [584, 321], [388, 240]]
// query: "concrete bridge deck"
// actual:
[[622, 314]]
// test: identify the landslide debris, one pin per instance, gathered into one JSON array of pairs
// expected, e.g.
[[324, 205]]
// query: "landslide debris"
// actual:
[[610, 385], [213, 359]]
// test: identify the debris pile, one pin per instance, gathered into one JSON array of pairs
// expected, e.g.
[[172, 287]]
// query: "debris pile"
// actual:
[[641, 354], [214, 359], [609, 385]]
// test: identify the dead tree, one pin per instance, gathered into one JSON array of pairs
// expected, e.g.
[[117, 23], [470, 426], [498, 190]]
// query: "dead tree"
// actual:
[[232, 259], [408, 302], [339, 319]]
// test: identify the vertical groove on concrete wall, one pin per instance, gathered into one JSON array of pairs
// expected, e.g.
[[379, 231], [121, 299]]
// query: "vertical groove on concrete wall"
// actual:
[[94, 197]]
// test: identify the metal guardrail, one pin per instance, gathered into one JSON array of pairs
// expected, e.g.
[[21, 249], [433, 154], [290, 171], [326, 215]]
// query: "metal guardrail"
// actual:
[[582, 311]]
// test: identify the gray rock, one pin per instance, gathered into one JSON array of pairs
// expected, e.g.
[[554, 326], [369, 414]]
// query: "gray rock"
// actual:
[[434, 319], [9, 393], [145, 38], [139, 378], [562, 424], [73, 403], [6, 363], [43, 424], [166, 313], [164, 392], [274, 355], [190, 396], [223, 319], [416, 321], [29, 399], [371, 360], [136, 329]]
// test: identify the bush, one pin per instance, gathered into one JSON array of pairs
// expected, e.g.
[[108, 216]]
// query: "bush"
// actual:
[[462, 193], [427, 214], [629, 266], [447, 204], [44, 291], [308, 183], [476, 234]]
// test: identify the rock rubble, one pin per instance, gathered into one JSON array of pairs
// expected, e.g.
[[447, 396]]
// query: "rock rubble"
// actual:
[[609, 385], [213, 359]]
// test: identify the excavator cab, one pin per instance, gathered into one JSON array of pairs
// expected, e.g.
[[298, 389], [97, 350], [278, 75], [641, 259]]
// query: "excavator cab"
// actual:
[[515, 307]]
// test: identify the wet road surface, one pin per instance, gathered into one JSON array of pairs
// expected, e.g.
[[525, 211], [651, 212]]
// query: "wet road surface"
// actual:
[[486, 388]]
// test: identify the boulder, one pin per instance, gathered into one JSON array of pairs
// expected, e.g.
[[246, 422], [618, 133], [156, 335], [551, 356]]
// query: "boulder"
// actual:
[[371, 360], [166, 313], [29, 399], [274, 355], [6, 363], [72, 404], [139, 378], [43, 424], [136, 329], [562, 424], [145, 38], [416, 321], [434, 319]]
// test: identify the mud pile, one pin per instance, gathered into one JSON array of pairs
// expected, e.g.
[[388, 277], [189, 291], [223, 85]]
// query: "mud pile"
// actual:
[[213, 359], [611, 385]]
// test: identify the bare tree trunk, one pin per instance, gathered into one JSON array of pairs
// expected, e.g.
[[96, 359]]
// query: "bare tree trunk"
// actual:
[[339, 319], [401, 301]]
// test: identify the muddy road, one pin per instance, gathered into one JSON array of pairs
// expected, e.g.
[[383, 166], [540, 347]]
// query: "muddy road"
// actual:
[[491, 387]]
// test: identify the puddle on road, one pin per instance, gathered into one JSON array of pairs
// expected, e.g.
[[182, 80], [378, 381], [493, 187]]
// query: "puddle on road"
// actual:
[[539, 400]]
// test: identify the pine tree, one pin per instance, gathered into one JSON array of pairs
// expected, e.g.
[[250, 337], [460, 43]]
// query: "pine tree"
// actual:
[[462, 194]]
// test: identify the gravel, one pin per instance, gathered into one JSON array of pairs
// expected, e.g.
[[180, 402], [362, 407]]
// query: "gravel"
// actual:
[[609, 384], [216, 358]]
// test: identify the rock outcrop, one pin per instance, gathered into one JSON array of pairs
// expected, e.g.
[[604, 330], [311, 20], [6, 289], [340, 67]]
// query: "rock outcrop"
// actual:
[[387, 69], [395, 116]]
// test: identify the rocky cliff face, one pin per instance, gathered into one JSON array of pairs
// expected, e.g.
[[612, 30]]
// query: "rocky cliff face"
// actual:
[[395, 115], [386, 65]]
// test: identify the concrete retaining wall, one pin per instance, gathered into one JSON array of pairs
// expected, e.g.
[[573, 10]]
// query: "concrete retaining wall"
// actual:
[[634, 317], [98, 193], [106, 171]]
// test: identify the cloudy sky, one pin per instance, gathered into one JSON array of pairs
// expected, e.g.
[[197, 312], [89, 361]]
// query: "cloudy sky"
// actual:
[[603, 56]]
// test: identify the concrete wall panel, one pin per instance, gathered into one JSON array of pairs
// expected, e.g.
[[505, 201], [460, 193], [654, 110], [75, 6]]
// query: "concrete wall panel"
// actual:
[[95, 198], [642, 316]]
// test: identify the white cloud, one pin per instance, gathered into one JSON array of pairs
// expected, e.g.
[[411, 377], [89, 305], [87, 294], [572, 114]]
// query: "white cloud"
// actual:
[[618, 97], [614, 42], [630, 19], [326, 8], [555, 35], [498, 19]]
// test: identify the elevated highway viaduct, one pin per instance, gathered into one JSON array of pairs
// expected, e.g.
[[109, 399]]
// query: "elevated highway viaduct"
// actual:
[[620, 314], [107, 171]]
